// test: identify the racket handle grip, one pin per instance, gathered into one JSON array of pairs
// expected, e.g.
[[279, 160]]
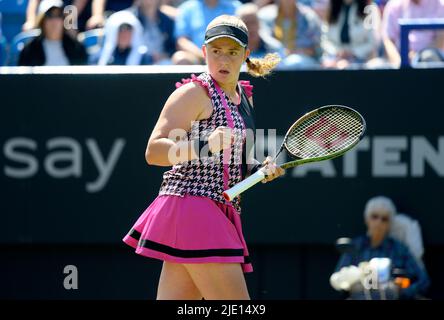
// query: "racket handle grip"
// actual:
[[237, 189]]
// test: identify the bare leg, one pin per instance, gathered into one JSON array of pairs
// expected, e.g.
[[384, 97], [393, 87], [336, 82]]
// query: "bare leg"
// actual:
[[219, 281], [176, 284]]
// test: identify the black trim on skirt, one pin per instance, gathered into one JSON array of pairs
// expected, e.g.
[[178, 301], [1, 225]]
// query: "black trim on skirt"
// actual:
[[145, 243]]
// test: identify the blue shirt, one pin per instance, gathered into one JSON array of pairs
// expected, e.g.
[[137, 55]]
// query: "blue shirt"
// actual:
[[399, 255], [308, 25], [195, 15]]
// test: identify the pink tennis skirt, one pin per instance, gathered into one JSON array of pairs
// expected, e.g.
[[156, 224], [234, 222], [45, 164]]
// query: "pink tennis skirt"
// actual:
[[190, 229]]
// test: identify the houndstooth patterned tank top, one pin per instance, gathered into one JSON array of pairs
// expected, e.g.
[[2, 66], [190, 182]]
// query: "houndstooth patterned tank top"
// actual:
[[209, 176]]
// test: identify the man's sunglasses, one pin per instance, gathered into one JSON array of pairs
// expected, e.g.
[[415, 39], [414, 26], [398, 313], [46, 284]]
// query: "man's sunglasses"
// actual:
[[383, 218]]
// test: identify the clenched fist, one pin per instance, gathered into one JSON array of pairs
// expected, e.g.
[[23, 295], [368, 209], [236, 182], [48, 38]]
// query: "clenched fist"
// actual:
[[220, 139]]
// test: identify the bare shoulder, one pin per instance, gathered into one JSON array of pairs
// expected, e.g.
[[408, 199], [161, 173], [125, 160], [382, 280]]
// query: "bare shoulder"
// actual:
[[190, 91], [187, 103]]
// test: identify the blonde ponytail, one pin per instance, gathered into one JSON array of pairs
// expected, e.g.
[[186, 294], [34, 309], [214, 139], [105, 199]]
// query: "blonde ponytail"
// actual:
[[264, 66]]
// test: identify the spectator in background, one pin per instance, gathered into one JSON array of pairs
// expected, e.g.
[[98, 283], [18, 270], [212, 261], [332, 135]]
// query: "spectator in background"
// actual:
[[123, 41], [418, 39], [158, 30], [298, 28], [83, 13], [346, 37], [379, 214], [54, 46], [259, 42], [103, 8], [191, 21]]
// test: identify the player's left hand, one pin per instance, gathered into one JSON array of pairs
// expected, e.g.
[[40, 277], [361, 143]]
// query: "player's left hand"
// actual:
[[271, 170]]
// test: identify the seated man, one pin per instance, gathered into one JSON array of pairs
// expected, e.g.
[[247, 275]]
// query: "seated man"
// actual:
[[298, 28], [379, 213], [259, 41]]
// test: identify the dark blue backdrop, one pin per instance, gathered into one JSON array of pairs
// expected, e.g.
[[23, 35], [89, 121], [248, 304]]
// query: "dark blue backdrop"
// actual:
[[74, 178]]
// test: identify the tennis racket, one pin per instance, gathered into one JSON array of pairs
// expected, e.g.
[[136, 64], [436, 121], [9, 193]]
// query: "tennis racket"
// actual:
[[322, 134]]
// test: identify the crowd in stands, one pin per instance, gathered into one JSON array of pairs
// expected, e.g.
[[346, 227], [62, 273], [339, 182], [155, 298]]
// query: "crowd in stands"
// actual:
[[305, 33]]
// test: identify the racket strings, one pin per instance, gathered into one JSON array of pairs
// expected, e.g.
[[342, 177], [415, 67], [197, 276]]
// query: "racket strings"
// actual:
[[325, 133]]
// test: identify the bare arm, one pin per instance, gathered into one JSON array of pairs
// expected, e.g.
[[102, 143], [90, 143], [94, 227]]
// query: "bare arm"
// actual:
[[392, 52], [97, 14], [305, 51], [98, 7], [390, 32], [31, 11], [187, 45], [183, 106]]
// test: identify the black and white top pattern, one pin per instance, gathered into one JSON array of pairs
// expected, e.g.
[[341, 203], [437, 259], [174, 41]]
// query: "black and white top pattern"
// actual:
[[206, 176]]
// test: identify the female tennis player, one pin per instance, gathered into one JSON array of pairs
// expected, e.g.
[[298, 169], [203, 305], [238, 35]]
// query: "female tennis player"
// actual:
[[190, 226]]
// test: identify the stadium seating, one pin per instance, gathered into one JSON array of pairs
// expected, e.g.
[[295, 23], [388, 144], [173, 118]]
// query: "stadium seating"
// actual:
[[92, 40], [3, 51], [19, 42]]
